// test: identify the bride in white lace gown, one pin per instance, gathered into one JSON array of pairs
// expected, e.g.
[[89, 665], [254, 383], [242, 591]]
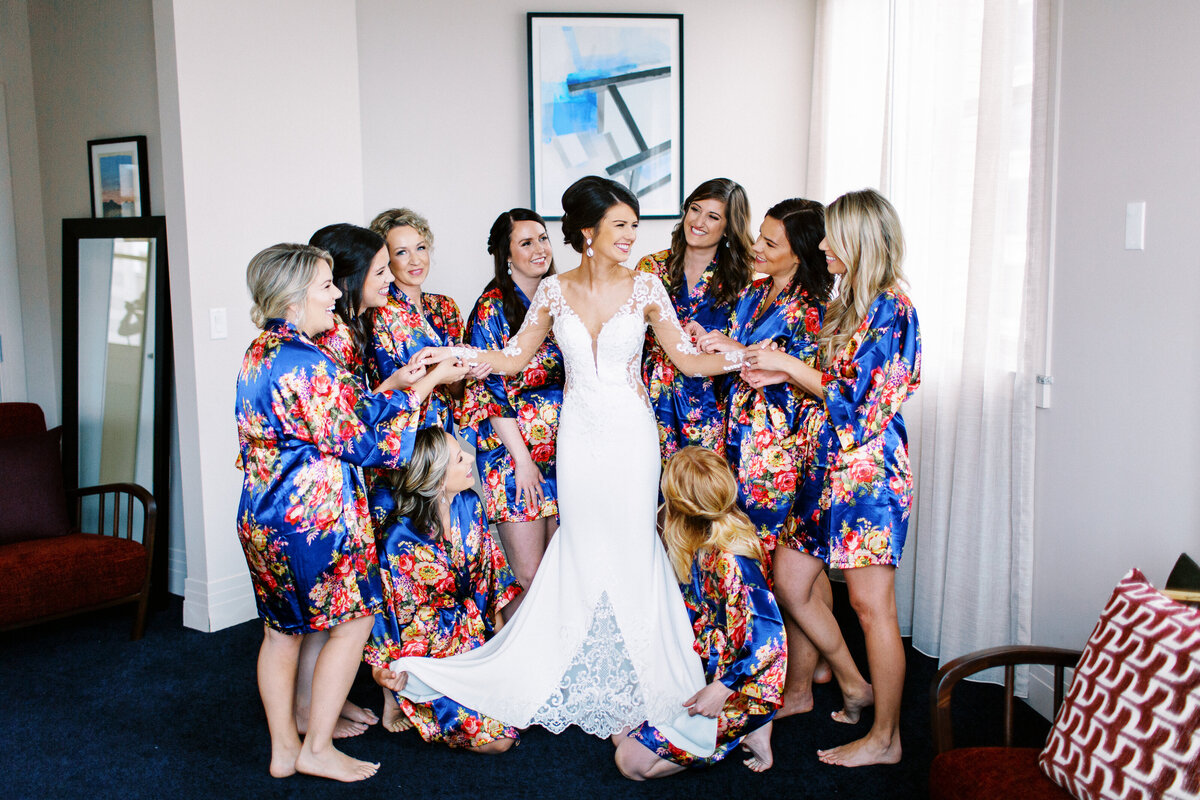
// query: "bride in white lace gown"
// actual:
[[602, 639]]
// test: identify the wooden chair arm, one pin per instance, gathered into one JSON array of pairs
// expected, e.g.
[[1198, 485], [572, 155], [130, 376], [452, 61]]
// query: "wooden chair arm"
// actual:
[[131, 490], [1007, 656]]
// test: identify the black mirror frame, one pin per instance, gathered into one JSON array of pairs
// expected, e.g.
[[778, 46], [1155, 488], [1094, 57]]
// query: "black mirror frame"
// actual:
[[74, 230]]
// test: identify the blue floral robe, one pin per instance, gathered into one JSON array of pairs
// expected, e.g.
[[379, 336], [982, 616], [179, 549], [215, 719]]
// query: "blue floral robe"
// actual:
[[690, 410], [741, 640], [305, 429], [860, 433], [401, 331], [763, 446], [532, 398], [442, 593]]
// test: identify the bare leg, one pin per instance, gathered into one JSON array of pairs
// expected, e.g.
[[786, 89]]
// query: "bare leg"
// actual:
[[524, 544], [353, 720], [873, 596], [758, 745], [797, 576], [801, 664], [393, 716], [332, 677], [277, 661], [638, 762], [822, 672]]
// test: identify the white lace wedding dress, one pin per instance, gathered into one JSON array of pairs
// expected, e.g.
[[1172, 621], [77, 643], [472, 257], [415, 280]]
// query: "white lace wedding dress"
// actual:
[[602, 640]]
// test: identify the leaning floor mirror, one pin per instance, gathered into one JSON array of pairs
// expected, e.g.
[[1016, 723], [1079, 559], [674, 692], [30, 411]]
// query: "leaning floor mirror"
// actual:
[[117, 359]]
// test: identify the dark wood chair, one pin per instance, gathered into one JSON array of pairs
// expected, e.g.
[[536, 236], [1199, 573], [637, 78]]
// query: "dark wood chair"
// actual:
[[51, 568], [983, 773]]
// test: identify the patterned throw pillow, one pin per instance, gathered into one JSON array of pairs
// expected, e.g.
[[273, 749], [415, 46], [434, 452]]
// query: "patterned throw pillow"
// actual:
[[1130, 724]]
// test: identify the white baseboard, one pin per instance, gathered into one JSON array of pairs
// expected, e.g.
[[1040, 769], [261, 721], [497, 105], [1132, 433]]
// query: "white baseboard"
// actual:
[[211, 606]]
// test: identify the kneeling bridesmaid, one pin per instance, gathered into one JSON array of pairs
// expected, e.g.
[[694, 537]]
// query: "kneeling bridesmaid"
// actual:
[[718, 559], [444, 582]]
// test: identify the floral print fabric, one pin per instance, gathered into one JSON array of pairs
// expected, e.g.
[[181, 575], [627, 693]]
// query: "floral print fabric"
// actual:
[[764, 441], [533, 398], [690, 410], [442, 592], [402, 330], [741, 641], [305, 430], [868, 493]]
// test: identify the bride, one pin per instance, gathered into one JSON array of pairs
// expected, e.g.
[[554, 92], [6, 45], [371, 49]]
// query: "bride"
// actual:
[[602, 639]]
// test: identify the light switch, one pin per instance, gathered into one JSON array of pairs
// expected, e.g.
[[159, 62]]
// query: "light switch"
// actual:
[[218, 323], [1135, 226]]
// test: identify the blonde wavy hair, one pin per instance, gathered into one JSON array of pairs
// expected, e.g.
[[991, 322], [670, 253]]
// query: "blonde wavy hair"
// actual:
[[278, 279], [419, 485], [863, 230], [700, 497], [399, 217]]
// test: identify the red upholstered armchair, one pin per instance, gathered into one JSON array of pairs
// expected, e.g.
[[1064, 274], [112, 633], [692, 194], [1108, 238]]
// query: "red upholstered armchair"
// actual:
[[983, 773], [50, 568]]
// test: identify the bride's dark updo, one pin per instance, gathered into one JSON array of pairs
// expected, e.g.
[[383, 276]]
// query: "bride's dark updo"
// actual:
[[586, 201]]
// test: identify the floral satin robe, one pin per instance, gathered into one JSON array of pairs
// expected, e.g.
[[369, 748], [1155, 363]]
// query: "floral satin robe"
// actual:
[[401, 331], [690, 410], [768, 456], [868, 492], [532, 398], [741, 641], [441, 595], [306, 428]]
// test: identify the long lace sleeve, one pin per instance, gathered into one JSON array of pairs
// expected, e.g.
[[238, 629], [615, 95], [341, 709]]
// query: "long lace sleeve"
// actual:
[[522, 347], [660, 313]]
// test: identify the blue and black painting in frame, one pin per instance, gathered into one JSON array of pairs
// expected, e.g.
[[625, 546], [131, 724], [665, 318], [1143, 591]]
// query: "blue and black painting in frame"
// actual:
[[606, 98]]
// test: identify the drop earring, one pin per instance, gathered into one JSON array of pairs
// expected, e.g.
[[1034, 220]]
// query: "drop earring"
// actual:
[[510, 268], [589, 249]]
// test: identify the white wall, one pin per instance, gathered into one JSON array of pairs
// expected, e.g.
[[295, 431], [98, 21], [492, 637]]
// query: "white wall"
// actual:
[[261, 144], [40, 368], [93, 77], [1118, 462], [446, 114]]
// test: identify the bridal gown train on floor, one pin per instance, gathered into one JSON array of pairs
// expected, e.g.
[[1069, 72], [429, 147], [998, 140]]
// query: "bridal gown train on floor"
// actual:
[[602, 640]]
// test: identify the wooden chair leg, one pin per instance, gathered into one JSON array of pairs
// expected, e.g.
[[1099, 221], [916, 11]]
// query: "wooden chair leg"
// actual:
[[139, 619]]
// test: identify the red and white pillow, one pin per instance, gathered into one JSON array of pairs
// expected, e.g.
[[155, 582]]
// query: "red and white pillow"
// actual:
[[1130, 724]]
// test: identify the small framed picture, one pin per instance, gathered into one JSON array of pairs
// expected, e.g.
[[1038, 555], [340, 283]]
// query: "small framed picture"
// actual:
[[119, 178], [606, 98]]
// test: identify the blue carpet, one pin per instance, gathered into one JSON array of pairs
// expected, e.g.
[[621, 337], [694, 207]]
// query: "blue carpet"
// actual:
[[88, 713]]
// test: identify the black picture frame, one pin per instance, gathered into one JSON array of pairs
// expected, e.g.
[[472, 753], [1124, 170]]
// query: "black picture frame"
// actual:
[[623, 122], [118, 177]]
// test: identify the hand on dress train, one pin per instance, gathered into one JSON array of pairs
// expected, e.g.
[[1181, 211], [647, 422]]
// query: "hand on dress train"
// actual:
[[709, 701], [389, 679], [716, 342]]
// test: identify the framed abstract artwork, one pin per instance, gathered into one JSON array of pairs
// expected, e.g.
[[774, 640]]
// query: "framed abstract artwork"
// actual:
[[606, 98], [119, 178]]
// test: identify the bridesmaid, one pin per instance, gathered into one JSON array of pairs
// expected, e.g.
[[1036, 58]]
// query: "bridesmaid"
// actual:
[[765, 442], [718, 559], [411, 319], [514, 421], [444, 582], [870, 349], [305, 429], [706, 267]]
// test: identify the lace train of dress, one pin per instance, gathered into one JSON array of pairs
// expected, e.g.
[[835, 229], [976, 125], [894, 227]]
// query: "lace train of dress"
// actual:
[[603, 639]]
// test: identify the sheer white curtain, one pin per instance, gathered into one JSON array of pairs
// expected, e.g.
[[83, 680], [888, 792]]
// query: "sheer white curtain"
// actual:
[[932, 102]]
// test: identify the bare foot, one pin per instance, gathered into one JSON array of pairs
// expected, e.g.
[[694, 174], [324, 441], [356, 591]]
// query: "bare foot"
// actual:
[[283, 760], [344, 729], [823, 673], [795, 703], [758, 745], [853, 705], [862, 752], [357, 713], [395, 721], [333, 763]]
